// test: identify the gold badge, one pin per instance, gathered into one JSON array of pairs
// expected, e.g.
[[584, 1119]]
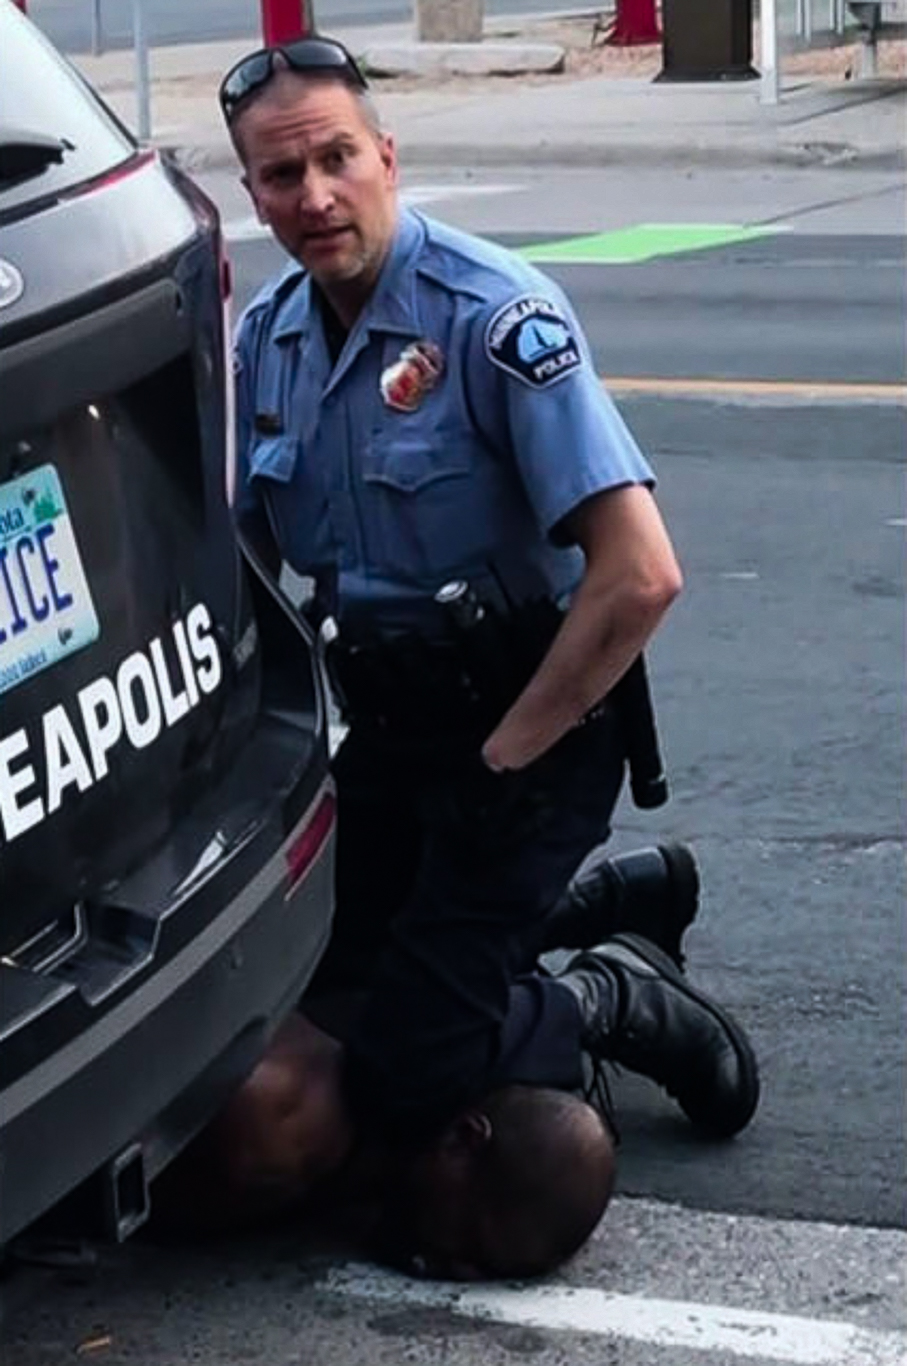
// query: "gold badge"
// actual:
[[405, 383]]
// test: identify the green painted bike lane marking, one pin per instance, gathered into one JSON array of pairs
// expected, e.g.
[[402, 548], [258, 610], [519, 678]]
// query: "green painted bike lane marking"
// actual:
[[644, 242]]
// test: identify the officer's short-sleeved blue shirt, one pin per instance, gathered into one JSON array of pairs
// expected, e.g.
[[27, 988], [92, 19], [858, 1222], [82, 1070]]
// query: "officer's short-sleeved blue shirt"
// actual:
[[472, 476]]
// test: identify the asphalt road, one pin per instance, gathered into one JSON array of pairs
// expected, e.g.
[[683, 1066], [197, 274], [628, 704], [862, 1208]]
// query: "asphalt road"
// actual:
[[779, 682], [70, 22], [805, 307]]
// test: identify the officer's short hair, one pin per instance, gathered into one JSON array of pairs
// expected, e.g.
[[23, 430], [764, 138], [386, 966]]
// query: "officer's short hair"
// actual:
[[307, 79]]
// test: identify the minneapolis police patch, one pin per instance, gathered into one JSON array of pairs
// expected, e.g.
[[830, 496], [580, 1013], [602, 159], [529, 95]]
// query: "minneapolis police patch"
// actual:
[[530, 339]]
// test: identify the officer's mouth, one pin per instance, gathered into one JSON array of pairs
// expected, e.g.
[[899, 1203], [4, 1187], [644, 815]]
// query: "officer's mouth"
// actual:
[[326, 239]]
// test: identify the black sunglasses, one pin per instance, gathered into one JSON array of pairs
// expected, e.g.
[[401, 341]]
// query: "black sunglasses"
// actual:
[[305, 54]]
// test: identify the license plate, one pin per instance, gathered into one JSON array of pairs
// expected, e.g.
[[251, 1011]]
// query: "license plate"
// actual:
[[46, 611]]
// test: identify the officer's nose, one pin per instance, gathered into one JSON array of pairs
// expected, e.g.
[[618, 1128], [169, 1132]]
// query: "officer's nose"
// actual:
[[317, 196]]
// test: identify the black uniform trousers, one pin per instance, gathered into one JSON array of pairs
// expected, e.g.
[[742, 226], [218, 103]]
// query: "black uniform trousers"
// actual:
[[445, 874]]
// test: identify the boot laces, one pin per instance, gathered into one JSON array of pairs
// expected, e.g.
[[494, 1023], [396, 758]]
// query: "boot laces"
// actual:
[[597, 1093]]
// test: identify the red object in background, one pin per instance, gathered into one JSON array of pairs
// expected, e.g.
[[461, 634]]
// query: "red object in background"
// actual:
[[20, 4], [636, 22], [284, 20]]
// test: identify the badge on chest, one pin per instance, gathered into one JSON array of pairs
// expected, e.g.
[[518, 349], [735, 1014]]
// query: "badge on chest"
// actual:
[[405, 384]]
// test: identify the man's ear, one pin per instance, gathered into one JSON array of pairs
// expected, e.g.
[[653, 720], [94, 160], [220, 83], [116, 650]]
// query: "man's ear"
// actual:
[[468, 1133], [387, 149]]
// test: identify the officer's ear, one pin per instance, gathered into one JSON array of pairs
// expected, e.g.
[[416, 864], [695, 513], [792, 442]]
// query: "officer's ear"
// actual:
[[467, 1134], [387, 150]]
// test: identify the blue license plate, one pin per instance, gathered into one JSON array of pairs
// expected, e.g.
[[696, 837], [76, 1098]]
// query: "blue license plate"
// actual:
[[46, 611]]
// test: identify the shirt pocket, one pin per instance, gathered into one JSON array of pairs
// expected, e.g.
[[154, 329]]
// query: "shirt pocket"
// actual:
[[274, 457], [421, 503]]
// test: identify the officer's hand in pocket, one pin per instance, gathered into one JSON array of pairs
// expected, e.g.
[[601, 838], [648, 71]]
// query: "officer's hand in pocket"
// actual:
[[495, 807]]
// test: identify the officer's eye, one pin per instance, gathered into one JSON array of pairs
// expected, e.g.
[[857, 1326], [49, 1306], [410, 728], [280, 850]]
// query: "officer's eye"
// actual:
[[282, 175], [336, 159]]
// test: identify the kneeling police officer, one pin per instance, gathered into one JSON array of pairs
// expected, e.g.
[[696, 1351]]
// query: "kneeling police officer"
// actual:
[[422, 432]]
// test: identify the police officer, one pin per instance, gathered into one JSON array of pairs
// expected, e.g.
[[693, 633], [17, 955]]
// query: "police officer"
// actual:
[[416, 407]]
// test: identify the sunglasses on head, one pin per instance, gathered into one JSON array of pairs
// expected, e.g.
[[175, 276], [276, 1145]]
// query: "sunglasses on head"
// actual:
[[252, 73]]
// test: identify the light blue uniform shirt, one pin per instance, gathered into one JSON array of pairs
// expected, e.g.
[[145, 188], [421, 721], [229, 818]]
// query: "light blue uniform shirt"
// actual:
[[475, 481]]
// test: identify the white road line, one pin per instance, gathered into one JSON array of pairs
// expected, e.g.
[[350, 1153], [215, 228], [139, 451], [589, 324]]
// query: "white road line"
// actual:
[[739, 574], [896, 521], [430, 193], [787, 1338], [245, 229], [248, 229]]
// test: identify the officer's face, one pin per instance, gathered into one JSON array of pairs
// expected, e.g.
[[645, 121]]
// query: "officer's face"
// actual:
[[323, 179]]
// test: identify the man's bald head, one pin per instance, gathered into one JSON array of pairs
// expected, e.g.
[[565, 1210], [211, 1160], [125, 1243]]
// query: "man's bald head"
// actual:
[[513, 1187]]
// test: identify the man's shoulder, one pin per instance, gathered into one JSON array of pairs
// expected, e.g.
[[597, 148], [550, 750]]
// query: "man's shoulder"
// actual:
[[264, 306], [468, 265]]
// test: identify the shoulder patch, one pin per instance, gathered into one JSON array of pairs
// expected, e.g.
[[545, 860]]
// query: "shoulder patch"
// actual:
[[529, 338]]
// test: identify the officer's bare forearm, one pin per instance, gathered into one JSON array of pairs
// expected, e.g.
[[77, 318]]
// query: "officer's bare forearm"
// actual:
[[593, 649], [631, 579]]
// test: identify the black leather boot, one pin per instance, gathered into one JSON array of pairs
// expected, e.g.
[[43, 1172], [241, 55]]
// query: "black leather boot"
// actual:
[[652, 892], [640, 1011]]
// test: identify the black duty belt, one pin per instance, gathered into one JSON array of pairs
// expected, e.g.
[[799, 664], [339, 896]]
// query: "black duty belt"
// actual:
[[407, 686], [414, 687]]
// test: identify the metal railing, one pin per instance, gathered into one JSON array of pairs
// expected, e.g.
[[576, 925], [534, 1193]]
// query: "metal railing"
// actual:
[[791, 25], [142, 65]]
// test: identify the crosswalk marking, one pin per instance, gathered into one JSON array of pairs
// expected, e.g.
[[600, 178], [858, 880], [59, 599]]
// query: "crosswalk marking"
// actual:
[[788, 1338], [430, 193]]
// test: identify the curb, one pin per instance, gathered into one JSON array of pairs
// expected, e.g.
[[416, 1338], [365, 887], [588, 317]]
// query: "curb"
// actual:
[[824, 155]]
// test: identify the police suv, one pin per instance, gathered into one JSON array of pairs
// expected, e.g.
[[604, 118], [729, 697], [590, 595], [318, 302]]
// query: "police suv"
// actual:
[[166, 814]]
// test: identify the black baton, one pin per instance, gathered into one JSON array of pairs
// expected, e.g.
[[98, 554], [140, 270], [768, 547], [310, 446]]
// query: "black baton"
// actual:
[[633, 700]]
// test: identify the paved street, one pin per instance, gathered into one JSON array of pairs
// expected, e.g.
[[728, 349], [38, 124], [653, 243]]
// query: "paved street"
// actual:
[[779, 679]]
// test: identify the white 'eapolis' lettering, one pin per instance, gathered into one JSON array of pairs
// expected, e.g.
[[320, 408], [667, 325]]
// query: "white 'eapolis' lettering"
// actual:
[[137, 704], [65, 761]]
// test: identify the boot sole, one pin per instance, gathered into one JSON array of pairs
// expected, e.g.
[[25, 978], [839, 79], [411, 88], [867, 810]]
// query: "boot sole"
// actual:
[[746, 1058], [683, 875]]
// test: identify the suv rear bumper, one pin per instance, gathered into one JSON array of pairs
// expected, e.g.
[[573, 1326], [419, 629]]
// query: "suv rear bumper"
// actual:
[[189, 1032]]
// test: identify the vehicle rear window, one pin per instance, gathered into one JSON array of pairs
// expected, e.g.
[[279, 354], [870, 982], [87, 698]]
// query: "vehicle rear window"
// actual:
[[41, 94]]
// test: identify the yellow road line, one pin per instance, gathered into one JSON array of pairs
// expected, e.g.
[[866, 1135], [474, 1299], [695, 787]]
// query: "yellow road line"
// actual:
[[836, 391]]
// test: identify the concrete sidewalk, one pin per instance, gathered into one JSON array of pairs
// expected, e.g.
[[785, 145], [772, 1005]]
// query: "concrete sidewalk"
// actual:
[[587, 120]]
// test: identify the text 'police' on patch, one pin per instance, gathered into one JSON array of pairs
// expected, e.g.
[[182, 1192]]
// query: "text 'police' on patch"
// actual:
[[530, 339]]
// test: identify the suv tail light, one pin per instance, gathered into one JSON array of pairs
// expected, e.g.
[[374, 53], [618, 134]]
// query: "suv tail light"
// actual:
[[310, 840]]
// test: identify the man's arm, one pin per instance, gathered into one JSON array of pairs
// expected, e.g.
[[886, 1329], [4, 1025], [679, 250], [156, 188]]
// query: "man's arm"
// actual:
[[630, 580]]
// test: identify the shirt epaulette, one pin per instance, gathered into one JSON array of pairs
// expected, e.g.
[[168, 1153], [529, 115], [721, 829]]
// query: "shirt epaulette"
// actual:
[[474, 266]]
